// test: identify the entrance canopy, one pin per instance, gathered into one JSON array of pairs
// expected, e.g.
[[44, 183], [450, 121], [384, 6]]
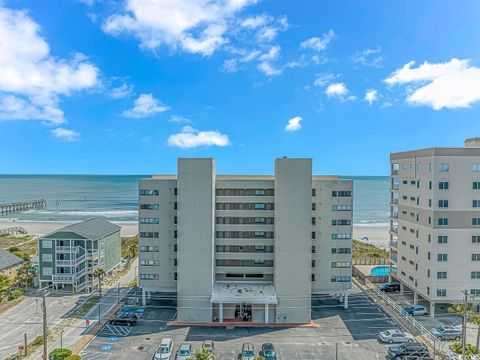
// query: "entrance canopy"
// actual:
[[243, 292]]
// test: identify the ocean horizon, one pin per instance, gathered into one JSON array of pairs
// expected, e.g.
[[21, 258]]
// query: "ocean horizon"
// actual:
[[72, 198]]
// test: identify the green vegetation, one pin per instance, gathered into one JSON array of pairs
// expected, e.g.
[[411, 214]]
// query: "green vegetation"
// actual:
[[14, 294], [73, 357], [457, 348], [258, 357], [472, 317], [203, 354], [83, 309], [59, 354], [7, 241], [129, 247], [362, 250]]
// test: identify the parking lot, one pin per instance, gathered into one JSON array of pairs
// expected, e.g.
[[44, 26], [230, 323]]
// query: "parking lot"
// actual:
[[352, 332]]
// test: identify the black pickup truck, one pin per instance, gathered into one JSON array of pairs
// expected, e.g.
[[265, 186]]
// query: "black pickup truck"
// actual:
[[124, 319]]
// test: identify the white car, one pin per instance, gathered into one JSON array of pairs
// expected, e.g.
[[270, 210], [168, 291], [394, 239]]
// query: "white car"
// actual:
[[184, 352], [416, 310], [165, 350], [447, 332], [395, 336]]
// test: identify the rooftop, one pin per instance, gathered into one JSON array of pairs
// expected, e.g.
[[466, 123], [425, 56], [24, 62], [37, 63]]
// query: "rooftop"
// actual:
[[92, 229], [243, 292], [7, 259]]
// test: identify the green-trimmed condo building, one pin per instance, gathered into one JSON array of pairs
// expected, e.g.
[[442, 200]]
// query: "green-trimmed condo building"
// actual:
[[68, 256]]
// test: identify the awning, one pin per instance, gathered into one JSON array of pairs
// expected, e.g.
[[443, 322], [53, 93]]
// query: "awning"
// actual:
[[239, 292]]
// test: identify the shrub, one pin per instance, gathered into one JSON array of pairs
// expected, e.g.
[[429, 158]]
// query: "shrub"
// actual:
[[37, 341], [60, 354], [13, 249], [73, 357], [14, 294], [457, 348]]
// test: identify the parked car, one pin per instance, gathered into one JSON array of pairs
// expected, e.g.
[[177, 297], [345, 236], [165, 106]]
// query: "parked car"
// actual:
[[209, 345], [395, 336], [184, 352], [416, 310], [165, 350], [447, 332], [124, 319], [408, 351], [268, 352], [389, 287], [248, 352]]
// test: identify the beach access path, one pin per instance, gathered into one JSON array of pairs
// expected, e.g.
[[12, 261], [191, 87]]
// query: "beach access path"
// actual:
[[26, 317]]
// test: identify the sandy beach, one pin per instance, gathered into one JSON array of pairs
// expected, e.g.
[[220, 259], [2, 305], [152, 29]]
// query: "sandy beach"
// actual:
[[377, 235], [39, 228]]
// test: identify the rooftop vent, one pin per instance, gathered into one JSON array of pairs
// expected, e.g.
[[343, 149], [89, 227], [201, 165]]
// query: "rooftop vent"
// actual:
[[472, 142]]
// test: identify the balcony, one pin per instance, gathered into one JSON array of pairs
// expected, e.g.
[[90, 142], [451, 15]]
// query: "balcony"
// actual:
[[394, 187], [394, 229], [67, 249], [68, 278], [90, 255], [394, 201], [394, 244], [72, 262], [395, 172]]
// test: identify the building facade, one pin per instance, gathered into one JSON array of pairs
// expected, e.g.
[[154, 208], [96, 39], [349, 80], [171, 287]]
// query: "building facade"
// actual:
[[435, 223], [245, 247], [68, 257]]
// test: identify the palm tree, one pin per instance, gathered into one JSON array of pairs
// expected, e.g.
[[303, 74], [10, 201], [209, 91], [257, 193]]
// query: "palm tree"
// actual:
[[203, 354], [472, 317], [99, 273]]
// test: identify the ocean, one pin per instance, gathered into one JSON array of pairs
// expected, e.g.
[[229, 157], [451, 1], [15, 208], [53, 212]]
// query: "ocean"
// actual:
[[73, 198]]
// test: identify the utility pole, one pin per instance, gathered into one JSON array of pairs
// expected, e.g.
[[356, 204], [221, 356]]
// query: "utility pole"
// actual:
[[25, 343], [118, 292], [464, 324], [45, 329], [336, 351]]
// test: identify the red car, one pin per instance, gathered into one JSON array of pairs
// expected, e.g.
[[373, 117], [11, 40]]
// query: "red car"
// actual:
[[124, 319]]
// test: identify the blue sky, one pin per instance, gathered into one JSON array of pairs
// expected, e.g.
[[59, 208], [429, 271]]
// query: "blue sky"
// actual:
[[105, 87]]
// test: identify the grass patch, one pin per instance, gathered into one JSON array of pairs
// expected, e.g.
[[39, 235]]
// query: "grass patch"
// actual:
[[7, 241], [83, 309], [362, 250]]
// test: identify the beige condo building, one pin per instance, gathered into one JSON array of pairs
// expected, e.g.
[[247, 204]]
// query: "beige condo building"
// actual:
[[435, 223], [245, 247]]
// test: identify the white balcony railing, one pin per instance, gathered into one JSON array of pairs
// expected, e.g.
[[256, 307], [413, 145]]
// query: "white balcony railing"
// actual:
[[67, 249], [72, 262], [92, 255], [61, 278]]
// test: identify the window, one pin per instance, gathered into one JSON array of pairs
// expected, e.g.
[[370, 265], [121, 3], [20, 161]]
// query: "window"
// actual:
[[313, 277], [429, 185], [175, 276], [47, 244], [313, 206], [175, 234], [441, 292], [476, 185], [442, 239], [313, 221], [476, 167], [341, 207], [429, 202], [341, 222], [476, 221], [443, 167], [149, 248], [475, 239], [341, 250], [149, 235], [340, 264], [443, 185], [47, 257], [340, 279], [259, 206], [442, 257], [476, 203], [175, 220], [148, 192], [313, 235], [149, 262], [314, 192], [475, 275], [428, 255], [46, 270], [341, 236], [443, 203], [475, 292], [260, 192], [313, 263], [341, 193], [149, 220], [175, 248], [443, 221], [441, 275], [175, 262], [149, 206], [149, 276], [313, 249], [428, 273]]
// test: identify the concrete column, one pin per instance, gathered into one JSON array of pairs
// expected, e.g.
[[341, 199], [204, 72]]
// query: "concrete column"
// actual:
[[220, 312], [402, 288], [432, 309], [415, 298], [266, 313], [144, 297], [149, 295], [345, 301]]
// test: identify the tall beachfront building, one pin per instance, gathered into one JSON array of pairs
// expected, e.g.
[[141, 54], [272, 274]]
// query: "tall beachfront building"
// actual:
[[245, 247], [435, 223]]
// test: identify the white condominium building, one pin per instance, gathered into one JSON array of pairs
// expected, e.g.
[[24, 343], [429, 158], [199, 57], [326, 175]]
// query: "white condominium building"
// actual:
[[435, 223], [245, 247]]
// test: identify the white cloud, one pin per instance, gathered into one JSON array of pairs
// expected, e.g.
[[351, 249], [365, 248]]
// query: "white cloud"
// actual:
[[66, 134], [272, 54], [294, 124], [336, 90], [191, 138], [453, 84], [368, 57], [269, 69], [145, 105], [371, 96], [324, 79], [195, 26], [179, 119], [255, 21], [32, 80], [318, 43], [121, 91]]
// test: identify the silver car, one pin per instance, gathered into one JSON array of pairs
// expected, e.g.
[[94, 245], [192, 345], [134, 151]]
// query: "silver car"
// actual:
[[184, 352], [395, 336], [447, 332]]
